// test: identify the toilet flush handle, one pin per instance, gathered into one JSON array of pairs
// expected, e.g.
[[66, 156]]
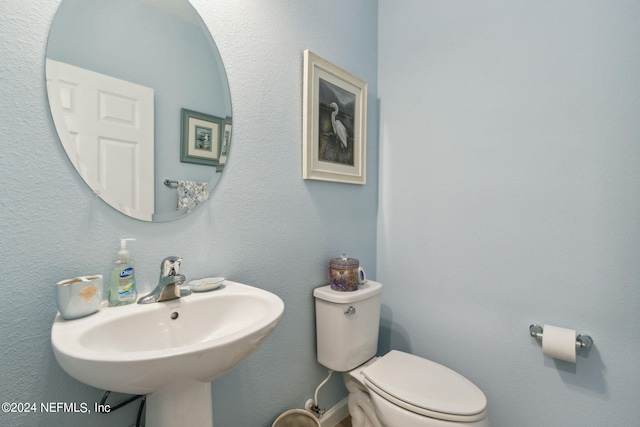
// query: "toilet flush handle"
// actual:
[[351, 310]]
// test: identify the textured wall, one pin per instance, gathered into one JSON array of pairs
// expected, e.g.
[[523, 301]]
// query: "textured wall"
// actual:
[[509, 190], [265, 226]]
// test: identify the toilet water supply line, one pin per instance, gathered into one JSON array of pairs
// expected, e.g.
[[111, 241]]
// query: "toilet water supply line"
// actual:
[[313, 405]]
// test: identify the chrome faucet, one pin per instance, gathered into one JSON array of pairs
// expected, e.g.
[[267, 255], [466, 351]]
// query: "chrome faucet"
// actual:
[[169, 283]]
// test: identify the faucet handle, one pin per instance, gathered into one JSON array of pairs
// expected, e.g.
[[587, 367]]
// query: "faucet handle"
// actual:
[[170, 266]]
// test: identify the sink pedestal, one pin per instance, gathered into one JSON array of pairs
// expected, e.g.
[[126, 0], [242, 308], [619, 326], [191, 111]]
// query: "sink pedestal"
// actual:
[[190, 406]]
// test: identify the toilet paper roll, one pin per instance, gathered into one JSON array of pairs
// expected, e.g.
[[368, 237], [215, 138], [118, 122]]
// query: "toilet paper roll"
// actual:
[[559, 343]]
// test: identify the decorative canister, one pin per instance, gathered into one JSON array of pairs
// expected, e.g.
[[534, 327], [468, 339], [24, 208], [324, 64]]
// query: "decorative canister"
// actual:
[[345, 274]]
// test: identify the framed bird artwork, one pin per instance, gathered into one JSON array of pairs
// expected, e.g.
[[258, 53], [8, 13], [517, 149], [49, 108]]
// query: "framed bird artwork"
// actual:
[[334, 123], [200, 138]]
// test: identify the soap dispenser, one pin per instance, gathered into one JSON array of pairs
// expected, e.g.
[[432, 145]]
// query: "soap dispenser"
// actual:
[[122, 288]]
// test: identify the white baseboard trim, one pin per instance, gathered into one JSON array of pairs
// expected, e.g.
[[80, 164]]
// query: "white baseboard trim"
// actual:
[[336, 414]]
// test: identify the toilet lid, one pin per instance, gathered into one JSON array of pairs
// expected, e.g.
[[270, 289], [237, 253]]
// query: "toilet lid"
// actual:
[[423, 386]]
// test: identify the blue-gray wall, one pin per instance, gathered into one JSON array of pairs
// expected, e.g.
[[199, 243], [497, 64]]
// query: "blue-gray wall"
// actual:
[[510, 194], [264, 226]]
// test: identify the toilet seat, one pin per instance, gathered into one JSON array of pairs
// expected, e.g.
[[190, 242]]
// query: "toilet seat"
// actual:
[[425, 387]]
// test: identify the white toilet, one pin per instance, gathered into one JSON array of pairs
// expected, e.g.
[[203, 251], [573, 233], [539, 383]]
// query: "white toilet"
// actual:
[[397, 389]]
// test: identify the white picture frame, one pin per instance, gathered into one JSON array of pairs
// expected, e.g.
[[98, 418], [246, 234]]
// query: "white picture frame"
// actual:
[[334, 123]]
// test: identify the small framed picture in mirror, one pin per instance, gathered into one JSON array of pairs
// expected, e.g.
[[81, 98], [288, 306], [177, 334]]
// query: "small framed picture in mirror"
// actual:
[[201, 137], [226, 142]]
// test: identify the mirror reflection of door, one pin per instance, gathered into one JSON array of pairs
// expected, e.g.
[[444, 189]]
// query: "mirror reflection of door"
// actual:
[[109, 126]]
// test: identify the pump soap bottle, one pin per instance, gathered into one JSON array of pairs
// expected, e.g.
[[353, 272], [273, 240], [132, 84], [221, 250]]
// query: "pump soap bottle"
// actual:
[[122, 288]]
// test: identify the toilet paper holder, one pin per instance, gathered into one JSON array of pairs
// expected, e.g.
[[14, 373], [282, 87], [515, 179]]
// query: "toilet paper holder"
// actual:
[[582, 340]]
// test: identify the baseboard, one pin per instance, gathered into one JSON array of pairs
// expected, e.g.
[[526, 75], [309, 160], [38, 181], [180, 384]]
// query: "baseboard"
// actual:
[[335, 414]]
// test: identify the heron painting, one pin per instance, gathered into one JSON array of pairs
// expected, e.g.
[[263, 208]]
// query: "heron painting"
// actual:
[[335, 137], [200, 138], [334, 143], [203, 138]]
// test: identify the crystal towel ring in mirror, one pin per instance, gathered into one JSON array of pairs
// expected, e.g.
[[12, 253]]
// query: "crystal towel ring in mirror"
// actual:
[[141, 103]]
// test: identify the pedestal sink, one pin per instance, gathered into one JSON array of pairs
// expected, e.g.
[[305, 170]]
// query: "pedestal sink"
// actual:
[[171, 350]]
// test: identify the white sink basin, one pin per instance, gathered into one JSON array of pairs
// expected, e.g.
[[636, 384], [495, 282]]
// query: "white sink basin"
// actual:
[[169, 350]]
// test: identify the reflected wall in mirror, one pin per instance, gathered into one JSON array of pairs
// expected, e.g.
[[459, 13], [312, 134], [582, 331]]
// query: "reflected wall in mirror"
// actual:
[[119, 74]]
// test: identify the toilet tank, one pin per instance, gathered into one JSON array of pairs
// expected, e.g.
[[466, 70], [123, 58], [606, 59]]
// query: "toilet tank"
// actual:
[[347, 325]]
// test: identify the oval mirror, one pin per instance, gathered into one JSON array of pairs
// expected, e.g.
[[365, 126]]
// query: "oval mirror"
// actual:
[[141, 103]]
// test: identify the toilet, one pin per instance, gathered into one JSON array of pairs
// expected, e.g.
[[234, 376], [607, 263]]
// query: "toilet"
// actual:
[[395, 390]]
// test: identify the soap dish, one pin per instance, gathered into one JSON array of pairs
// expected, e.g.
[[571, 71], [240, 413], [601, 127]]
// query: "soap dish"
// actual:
[[206, 284]]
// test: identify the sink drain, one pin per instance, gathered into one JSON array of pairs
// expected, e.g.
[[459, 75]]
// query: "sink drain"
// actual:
[[174, 315]]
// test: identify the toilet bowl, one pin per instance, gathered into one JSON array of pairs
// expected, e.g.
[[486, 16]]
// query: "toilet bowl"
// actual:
[[398, 389]]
